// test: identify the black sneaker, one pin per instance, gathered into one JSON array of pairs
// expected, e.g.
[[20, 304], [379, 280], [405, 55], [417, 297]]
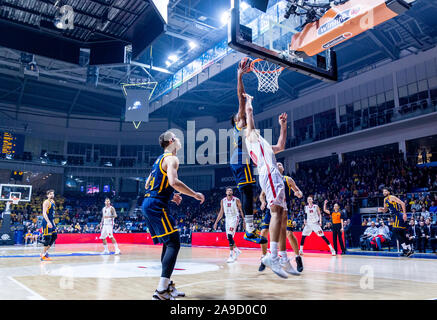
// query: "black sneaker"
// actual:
[[410, 253], [162, 295], [404, 252], [299, 263], [262, 267]]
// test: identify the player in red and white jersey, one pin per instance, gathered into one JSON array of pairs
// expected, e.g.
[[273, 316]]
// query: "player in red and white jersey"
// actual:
[[313, 222], [108, 216], [230, 206], [271, 182]]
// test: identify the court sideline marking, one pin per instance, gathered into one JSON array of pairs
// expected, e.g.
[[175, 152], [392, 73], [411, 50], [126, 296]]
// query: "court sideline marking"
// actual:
[[35, 296]]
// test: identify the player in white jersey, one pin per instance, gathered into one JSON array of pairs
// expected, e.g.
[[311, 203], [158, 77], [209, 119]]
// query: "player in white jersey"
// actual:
[[230, 206], [107, 224], [313, 222], [271, 182]]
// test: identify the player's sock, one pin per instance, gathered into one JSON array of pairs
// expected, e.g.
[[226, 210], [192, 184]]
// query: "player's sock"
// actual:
[[106, 247], [163, 284], [274, 249], [283, 254], [249, 223]]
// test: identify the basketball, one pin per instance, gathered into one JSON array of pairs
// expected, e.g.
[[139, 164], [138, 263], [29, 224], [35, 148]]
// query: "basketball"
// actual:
[[245, 65]]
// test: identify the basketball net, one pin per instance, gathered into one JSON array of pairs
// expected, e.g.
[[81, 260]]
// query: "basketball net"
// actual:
[[268, 74], [15, 200]]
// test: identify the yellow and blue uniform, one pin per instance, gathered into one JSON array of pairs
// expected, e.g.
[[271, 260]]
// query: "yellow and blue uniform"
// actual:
[[241, 164], [50, 213], [155, 205], [288, 191], [265, 224], [395, 209]]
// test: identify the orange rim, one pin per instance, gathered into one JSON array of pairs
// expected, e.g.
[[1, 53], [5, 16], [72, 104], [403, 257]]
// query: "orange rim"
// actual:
[[252, 65]]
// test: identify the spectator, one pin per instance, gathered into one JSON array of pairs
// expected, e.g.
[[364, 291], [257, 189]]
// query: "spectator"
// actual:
[[369, 234], [422, 237], [411, 232], [382, 237], [425, 213]]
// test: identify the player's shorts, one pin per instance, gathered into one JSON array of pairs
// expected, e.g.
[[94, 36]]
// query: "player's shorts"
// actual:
[[312, 227], [273, 186], [265, 224], [242, 171], [107, 231], [46, 231], [231, 222], [290, 222], [160, 223]]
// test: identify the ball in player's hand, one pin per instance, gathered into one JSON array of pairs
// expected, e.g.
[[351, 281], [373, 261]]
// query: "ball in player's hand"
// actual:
[[245, 65]]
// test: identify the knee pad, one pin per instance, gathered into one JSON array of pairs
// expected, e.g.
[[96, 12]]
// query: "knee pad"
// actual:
[[231, 240]]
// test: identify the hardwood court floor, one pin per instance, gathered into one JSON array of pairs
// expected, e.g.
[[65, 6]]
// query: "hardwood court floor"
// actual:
[[79, 272]]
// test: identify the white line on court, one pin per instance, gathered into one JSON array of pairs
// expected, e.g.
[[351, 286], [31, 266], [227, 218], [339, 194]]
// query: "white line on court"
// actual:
[[34, 295]]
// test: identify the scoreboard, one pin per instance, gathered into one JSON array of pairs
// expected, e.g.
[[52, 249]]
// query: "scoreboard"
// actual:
[[11, 143]]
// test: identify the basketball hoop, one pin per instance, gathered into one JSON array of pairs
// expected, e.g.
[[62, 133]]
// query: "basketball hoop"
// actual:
[[268, 74], [15, 200]]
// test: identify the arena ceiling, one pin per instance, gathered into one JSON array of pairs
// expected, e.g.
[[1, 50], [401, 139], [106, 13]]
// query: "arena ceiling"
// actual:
[[62, 86]]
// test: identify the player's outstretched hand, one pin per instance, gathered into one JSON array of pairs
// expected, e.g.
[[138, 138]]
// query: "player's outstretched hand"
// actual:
[[215, 226], [298, 194], [248, 97], [283, 119], [199, 197], [177, 198]]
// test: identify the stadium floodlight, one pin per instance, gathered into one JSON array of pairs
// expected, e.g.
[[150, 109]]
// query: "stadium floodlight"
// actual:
[[173, 58], [192, 45], [225, 17]]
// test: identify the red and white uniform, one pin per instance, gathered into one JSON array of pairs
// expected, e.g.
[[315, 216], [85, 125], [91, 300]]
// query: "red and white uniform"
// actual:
[[270, 179], [231, 214], [312, 221], [108, 223]]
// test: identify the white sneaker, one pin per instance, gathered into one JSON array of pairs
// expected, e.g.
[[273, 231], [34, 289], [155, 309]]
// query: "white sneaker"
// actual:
[[301, 252], [267, 260], [105, 252], [175, 292], [286, 265], [162, 295], [231, 258], [117, 251], [333, 253], [237, 252], [277, 268]]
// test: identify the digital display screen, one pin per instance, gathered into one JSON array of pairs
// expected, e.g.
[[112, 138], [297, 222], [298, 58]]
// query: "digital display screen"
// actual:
[[137, 105], [106, 188], [11, 143]]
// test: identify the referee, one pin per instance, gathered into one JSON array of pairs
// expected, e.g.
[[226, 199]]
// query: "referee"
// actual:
[[337, 226]]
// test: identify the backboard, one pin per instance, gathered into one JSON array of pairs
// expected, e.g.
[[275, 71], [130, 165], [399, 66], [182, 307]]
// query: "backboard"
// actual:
[[267, 35], [10, 191]]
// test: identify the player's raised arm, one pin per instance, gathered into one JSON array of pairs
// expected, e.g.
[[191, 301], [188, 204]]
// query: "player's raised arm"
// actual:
[[241, 98], [280, 145], [325, 208], [220, 215], [172, 174], [249, 115]]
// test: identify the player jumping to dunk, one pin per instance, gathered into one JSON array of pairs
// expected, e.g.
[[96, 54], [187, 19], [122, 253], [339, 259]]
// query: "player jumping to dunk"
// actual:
[[272, 184], [241, 164]]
